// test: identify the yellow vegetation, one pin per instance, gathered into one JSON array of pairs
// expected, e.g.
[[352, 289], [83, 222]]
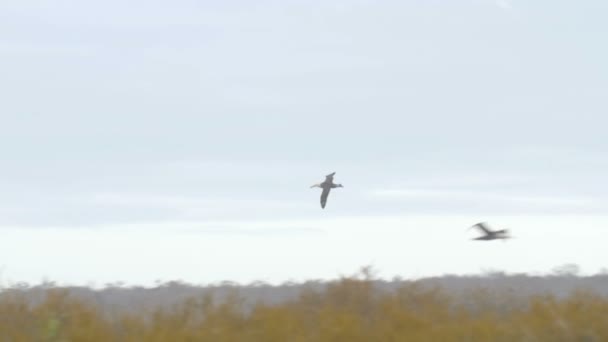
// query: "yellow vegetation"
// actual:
[[350, 309]]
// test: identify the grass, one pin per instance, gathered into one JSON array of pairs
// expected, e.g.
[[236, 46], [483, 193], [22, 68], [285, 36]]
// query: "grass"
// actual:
[[346, 309]]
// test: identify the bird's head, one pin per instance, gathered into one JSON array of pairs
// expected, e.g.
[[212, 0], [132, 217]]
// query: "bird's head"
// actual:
[[339, 186]]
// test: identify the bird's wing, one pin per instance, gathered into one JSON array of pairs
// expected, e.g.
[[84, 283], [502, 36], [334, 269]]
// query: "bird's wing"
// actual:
[[324, 195], [483, 227], [330, 177]]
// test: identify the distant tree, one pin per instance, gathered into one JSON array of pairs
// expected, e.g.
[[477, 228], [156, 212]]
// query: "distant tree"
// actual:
[[567, 270], [493, 273]]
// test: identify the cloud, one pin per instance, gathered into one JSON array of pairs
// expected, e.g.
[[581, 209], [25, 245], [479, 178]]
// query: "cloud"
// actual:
[[250, 228], [192, 206], [472, 179], [504, 4], [502, 200]]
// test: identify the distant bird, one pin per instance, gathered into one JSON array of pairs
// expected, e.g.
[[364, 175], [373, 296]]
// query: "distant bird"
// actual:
[[327, 185], [490, 234]]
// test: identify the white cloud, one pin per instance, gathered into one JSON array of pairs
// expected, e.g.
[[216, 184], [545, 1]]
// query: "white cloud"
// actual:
[[575, 202], [504, 4], [463, 180], [210, 252]]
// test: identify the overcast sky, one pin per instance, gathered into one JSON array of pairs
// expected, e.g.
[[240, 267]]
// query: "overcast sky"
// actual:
[[143, 140]]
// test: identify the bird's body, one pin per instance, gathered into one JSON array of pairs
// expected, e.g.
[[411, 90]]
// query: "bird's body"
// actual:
[[490, 234], [327, 185]]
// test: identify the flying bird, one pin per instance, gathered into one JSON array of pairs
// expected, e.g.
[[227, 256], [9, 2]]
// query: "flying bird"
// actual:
[[490, 234], [327, 185]]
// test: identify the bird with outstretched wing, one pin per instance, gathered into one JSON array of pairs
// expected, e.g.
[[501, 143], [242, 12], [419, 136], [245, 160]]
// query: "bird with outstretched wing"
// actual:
[[327, 185], [489, 234]]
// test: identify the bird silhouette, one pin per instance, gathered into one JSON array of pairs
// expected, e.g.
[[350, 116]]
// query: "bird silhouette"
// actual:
[[327, 185], [489, 234]]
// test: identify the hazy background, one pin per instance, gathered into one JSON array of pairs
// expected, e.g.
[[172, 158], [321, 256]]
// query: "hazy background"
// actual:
[[177, 140]]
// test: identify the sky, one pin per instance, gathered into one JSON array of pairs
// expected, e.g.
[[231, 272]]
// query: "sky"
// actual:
[[149, 140]]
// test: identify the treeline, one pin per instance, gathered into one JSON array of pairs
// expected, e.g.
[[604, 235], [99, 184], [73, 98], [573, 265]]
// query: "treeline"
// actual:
[[354, 308]]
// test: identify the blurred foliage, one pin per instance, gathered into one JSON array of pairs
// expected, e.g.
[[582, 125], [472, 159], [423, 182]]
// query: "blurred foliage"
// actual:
[[347, 309]]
